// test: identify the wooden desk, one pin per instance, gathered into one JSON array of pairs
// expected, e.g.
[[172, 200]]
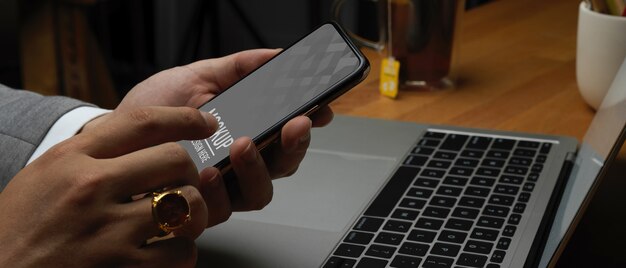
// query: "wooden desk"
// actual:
[[517, 72]]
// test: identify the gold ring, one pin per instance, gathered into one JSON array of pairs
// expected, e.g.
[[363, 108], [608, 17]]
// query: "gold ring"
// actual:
[[170, 210]]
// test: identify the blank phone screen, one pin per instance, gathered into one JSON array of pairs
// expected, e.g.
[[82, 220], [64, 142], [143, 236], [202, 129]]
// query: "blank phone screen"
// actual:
[[276, 91]]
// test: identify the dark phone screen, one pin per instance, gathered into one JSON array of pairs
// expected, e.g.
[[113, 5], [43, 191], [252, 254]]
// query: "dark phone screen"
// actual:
[[277, 90]]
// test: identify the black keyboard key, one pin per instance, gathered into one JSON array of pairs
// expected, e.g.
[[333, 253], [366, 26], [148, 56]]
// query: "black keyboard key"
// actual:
[[545, 148], [519, 208], [524, 197], [436, 212], [492, 265], [472, 260], [443, 201], [415, 160], [423, 151], [337, 262], [524, 152], [506, 189], [471, 202], [480, 143], [435, 173], [503, 144], [497, 256], [514, 219], [452, 236], [371, 263], [533, 177], [421, 236], [427, 223], [497, 211], [429, 142], [528, 144], [380, 251], [528, 187], [536, 168], [419, 192], [494, 163], [368, 224], [397, 226], [466, 162], [412, 203], [466, 213], [511, 179], [437, 262], [458, 224], [413, 249], [428, 183], [483, 181], [401, 261], [503, 200], [478, 247], [541, 158], [459, 171], [359, 238], [347, 250], [454, 142], [434, 135], [449, 191], [477, 191], [516, 170], [392, 192], [484, 234], [509, 230], [472, 153], [457, 181], [490, 222], [498, 154], [520, 161], [445, 249], [389, 238], [488, 172], [404, 214], [439, 164], [445, 155], [503, 243]]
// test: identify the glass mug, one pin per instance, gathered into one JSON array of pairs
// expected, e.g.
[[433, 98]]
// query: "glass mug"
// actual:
[[420, 34]]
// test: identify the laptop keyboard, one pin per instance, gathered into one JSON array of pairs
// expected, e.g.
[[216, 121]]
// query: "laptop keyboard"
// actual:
[[455, 201]]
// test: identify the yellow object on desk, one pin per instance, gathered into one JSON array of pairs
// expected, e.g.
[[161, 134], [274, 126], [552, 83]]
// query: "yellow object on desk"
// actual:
[[389, 72]]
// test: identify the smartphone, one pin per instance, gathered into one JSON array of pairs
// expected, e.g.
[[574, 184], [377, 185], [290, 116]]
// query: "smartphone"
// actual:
[[303, 77]]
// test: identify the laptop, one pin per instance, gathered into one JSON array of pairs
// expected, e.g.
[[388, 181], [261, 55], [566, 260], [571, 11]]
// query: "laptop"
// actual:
[[381, 193]]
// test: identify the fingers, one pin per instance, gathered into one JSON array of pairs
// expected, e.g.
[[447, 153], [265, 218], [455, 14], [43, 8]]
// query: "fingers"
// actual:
[[255, 188], [144, 127], [227, 70], [139, 215], [166, 165], [322, 117], [215, 196], [283, 160]]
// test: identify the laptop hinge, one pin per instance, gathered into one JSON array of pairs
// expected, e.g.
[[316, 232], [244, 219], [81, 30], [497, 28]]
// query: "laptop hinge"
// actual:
[[536, 250]]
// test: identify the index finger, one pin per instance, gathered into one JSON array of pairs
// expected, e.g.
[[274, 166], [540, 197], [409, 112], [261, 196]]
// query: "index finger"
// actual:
[[126, 132]]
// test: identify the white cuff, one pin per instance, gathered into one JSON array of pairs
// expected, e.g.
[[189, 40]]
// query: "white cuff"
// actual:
[[65, 127]]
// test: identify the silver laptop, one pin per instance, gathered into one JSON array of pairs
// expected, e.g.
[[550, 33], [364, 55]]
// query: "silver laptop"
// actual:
[[379, 193]]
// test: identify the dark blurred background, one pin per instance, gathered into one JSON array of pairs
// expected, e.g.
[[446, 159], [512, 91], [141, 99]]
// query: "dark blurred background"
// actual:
[[114, 44]]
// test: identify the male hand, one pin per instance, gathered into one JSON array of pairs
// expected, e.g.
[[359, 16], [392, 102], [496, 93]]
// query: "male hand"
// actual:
[[80, 204], [249, 181]]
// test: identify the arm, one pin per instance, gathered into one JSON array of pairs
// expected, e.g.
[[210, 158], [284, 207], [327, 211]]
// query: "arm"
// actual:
[[25, 118]]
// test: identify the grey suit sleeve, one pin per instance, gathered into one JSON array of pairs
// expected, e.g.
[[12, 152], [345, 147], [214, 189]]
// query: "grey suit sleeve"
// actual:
[[25, 118]]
